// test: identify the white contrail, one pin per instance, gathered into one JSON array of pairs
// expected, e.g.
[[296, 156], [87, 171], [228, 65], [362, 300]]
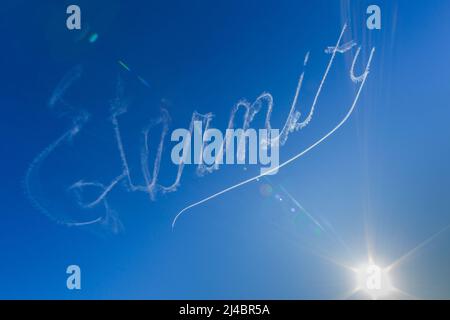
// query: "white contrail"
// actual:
[[341, 49], [275, 169], [151, 180], [66, 82], [354, 78], [316, 97], [78, 123], [33, 171], [102, 197], [109, 218]]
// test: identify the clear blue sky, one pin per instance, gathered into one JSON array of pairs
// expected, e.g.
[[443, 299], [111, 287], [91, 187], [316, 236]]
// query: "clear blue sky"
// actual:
[[381, 182]]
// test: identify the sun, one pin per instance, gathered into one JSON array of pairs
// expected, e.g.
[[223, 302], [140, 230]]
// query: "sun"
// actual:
[[373, 280]]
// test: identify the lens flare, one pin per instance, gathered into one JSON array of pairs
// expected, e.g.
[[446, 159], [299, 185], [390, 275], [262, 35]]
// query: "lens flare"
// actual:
[[373, 280]]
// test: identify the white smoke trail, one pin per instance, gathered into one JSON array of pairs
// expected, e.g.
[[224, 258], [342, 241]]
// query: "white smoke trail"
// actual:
[[32, 175], [342, 48], [350, 111], [291, 124], [66, 82], [354, 78], [34, 168], [78, 122], [102, 197], [251, 109], [119, 107], [316, 98], [109, 218], [152, 182], [202, 168]]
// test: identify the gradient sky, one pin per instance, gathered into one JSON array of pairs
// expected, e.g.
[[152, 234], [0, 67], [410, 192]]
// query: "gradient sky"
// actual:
[[379, 185]]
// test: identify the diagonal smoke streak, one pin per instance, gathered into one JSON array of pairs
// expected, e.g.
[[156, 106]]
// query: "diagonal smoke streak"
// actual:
[[66, 82]]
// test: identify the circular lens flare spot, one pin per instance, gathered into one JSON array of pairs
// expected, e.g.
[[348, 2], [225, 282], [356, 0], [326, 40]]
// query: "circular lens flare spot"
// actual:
[[266, 190]]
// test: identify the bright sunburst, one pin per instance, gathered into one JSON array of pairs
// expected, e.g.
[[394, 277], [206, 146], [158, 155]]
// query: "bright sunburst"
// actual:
[[373, 280]]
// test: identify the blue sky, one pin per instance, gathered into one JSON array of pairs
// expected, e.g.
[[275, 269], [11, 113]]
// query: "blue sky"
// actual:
[[378, 185]]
